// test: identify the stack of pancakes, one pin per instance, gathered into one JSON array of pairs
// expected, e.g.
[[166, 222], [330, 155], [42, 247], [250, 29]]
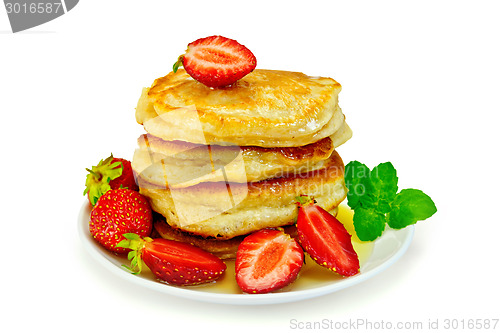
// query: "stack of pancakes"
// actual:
[[218, 164]]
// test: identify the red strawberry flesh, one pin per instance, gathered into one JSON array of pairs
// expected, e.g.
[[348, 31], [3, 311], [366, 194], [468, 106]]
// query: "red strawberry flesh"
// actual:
[[267, 260], [218, 61], [326, 240]]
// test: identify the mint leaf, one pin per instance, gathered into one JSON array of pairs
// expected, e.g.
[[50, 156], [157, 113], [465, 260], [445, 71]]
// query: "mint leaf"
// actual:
[[373, 197], [371, 189], [355, 176], [383, 186], [368, 223], [410, 206]]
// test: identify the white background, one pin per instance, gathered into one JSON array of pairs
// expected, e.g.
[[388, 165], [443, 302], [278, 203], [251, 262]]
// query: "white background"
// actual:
[[421, 83]]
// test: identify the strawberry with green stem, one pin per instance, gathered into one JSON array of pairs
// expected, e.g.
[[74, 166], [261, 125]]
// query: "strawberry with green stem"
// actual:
[[172, 261], [111, 173]]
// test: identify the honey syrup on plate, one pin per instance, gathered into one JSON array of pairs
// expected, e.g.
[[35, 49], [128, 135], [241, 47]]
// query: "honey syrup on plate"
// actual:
[[311, 275]]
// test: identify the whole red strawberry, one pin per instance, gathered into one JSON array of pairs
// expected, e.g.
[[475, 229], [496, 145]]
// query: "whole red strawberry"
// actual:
[[118, 212], [171, 261], [267, 260], [110, 174], [217, 61]]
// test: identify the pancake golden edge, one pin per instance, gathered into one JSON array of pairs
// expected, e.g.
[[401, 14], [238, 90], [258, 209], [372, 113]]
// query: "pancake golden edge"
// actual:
[[266, 108], [205, 210], [186, 164]]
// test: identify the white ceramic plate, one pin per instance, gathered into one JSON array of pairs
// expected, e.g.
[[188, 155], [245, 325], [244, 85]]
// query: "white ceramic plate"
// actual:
[[382, 253]]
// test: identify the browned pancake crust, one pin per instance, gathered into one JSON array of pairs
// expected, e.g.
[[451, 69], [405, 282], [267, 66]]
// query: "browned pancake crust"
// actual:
[[265, 108], [222, 108], [319, 150], [268, 203]]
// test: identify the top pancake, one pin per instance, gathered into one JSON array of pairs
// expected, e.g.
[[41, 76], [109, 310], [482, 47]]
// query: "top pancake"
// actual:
[[266, 108]]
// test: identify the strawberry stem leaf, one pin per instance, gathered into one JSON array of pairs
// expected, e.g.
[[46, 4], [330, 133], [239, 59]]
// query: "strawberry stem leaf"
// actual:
[[178, 63], [136, 244], [131, 255], [131, 236], [98, 178]]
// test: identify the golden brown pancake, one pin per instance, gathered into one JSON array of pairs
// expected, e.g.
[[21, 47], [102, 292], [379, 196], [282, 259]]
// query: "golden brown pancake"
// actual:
[[225, 210], [265, 108], [182, 164]]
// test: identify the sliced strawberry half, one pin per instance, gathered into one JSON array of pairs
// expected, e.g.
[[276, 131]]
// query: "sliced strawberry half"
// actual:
[[267, 260], [325, 239], [171, 261], [217, 61]]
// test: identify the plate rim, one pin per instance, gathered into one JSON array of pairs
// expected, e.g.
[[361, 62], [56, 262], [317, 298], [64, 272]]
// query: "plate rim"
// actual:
[[91, 247]]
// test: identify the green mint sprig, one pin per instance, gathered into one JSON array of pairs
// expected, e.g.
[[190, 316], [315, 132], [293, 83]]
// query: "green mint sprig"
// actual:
[[374, 198]]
